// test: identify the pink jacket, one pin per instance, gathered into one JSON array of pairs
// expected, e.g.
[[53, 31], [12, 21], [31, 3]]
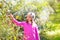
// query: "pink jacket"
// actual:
[[30, 32]]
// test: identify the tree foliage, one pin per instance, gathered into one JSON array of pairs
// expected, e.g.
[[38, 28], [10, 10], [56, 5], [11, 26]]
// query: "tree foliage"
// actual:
[[47, 18]]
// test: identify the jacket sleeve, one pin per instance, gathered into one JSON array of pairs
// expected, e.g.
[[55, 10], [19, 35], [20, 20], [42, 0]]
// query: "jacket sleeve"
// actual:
[[37, 34], [17, 22]]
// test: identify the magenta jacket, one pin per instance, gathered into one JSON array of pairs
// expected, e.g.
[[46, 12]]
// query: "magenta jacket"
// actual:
[[30, 32]]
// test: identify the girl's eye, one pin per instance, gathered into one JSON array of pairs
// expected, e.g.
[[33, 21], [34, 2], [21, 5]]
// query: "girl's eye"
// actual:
[[29, 17]]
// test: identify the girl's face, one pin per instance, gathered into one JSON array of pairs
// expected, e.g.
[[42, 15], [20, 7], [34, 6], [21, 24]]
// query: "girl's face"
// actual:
[[29, 18]]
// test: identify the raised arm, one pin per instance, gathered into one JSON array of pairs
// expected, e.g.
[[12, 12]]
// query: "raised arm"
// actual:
[[15, 21]]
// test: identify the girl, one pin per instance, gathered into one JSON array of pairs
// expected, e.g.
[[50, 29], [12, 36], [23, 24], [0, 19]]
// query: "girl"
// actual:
[[29, 26]]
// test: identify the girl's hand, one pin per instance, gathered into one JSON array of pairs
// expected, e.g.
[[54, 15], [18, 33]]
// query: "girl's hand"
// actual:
[[11, 16]]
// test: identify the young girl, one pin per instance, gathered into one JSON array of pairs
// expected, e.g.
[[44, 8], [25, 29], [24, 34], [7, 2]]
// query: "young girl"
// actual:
[[29, 26]]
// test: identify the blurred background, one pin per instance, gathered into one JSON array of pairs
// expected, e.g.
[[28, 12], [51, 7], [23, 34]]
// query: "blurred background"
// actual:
[[47, 18]]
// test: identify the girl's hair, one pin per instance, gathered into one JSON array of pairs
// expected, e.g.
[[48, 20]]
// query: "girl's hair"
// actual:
[[32, 15]]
